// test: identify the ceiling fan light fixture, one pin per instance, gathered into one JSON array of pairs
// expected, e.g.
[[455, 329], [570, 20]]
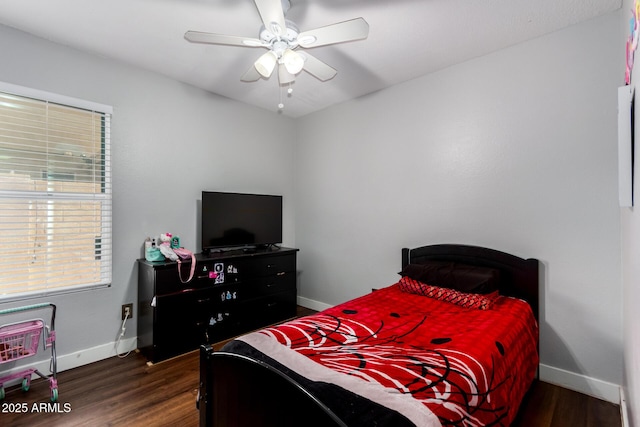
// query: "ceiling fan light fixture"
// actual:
[[284, 76], [292, 61], [266, 63]]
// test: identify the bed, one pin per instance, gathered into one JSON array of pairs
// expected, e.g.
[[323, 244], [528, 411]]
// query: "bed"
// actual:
[[453, 342]]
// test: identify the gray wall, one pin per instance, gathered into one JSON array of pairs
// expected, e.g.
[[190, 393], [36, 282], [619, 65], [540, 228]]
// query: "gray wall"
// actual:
[[515, 151], [170, 141], [630, 219]]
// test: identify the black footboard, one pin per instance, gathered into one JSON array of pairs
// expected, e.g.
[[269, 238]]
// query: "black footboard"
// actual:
[[237, 391]]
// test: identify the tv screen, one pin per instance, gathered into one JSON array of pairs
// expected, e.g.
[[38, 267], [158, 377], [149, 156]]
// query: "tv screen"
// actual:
[[240, 220]]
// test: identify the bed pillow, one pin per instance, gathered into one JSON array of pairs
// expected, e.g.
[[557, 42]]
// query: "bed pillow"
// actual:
[[463, 299], [460, 277]]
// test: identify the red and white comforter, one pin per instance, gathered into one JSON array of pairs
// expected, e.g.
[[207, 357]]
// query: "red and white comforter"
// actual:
[[425, 362]]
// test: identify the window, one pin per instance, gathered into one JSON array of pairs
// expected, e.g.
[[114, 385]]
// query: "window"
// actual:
[[55, 193]]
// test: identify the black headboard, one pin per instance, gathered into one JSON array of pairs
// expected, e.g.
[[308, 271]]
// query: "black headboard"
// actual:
[[518, 276]]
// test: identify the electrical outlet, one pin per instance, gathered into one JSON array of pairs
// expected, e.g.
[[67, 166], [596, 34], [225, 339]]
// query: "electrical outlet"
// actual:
[[127, 311]]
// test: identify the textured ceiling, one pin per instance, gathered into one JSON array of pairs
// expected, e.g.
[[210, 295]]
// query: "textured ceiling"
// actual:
[[407, 39]]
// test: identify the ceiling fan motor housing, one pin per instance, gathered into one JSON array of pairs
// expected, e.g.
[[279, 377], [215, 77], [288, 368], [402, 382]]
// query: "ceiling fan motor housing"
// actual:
[[289, 35]]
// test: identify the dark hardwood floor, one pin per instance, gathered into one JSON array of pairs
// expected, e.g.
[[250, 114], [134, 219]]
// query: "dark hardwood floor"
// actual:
[[128, 392]]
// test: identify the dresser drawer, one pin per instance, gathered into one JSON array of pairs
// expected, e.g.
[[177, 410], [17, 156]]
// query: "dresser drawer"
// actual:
[[221, 313], [266, 266], [228, 294], [277, 264], [223, 322], [270, 309], [167, 280], [233, 270], [279, 282], [178, 326]]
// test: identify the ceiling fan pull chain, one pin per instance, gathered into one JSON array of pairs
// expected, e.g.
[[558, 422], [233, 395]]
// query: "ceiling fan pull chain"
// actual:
[[280, 105]]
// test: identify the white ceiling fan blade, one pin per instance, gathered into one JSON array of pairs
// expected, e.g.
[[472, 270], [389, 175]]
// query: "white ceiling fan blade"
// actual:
[[252, 75], [272, 15], [354, 29], [317, 68], [212, 38], [285, 76]]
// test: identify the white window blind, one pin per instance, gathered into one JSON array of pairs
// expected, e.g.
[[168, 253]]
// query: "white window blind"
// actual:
[[55, 193]]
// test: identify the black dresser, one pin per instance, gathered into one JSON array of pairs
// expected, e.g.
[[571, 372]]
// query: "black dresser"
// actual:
[[231, 293]]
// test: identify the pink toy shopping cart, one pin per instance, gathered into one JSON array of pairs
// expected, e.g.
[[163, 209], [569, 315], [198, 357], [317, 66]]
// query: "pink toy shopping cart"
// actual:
[[21, 340]]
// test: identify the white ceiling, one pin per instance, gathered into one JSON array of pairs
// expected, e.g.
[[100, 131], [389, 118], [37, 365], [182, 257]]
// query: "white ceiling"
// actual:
[[407, 38]]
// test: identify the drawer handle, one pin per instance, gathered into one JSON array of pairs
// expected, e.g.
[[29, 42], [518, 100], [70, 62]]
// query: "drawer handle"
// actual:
[[200, 301], [272, 304], [270, 285], [282, 273]]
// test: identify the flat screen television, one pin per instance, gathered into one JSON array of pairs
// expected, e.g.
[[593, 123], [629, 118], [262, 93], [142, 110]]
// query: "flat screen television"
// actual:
[[232, 220]]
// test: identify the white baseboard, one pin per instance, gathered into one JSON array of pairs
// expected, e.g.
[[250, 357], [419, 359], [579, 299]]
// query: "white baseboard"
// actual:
[[72, 360], [313, 304], [624, 411], [586, 385]]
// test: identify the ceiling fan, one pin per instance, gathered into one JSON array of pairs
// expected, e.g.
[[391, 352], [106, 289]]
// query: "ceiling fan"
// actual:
[[282, 38]]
